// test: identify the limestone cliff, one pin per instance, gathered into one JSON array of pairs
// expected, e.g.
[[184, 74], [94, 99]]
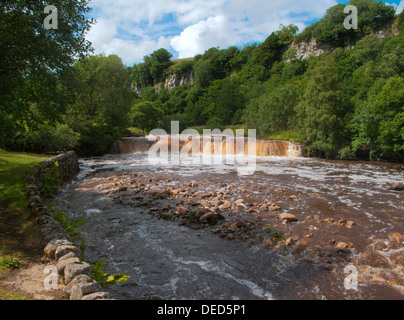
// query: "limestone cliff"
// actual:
[[176, 80]]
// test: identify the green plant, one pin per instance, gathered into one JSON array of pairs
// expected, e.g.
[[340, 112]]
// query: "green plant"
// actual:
[[52, 181], [276, 237], [71, 227], [191, 215], [104, 279], [11, 263], [83, 246]]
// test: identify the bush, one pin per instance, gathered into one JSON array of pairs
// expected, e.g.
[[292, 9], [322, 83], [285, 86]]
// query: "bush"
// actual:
[[48, 139]]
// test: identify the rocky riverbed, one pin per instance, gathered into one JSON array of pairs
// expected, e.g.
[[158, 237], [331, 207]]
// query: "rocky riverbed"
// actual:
[[323, 214]]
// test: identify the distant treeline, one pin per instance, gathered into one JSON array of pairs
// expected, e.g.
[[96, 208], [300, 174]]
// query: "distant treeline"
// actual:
[[347, 104]]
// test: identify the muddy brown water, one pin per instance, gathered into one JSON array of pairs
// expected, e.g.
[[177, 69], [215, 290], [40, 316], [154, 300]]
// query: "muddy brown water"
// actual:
[[171, 260]]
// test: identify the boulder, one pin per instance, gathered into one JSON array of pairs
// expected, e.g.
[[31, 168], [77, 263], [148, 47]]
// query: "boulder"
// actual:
[[65, 249], [75, 269], [343, 245], [78, 279], [81, 289], [51, 247], [226, 205], [182, 211], [61, 265], [211, 217], [97, 296], [288, 217], [350, 224]]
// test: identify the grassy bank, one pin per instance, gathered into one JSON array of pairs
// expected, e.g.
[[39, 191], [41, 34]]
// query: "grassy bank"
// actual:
[[17, 237]]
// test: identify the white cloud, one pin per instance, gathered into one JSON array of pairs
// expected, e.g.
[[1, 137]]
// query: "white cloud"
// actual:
[[135, 28], [400, 7], [205, 34]]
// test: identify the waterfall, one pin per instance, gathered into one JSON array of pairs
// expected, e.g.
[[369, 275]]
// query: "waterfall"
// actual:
[[263, 148]]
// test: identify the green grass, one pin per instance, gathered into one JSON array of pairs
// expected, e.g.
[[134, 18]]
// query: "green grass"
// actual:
[[287, 136], [13, 169], [15, 221], [133, 130], [177, 61]]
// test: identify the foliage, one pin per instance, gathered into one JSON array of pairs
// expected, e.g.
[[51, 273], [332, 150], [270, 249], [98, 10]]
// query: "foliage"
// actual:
[[147, 116], [104, 279], [71, 227], [153, 69], [322, 109], [32, 59], [102, 102], [372, 15], [11, 263], [47, 138], [51, 181]]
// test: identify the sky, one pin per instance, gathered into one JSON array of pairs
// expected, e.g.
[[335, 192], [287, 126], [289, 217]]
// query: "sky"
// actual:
[[133, 29]]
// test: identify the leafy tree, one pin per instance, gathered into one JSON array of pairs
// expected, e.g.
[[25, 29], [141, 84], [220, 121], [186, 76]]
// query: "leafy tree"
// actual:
[[147, 116], [159, 61], [32, 57], [102, 102], [214, 64], [153, 70], [322, 110], [276, 109], [48, 138], [389, 105]]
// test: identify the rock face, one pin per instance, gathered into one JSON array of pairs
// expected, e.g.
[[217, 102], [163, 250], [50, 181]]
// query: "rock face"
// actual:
[[176, 80], [305, 50]]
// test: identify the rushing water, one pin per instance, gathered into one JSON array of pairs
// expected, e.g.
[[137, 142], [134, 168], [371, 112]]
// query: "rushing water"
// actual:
[[173, 261]]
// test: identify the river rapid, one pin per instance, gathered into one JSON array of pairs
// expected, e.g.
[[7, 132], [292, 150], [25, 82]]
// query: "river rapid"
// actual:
[[204, 232]]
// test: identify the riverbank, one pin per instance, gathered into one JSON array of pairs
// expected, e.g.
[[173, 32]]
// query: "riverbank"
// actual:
[[20, 251]]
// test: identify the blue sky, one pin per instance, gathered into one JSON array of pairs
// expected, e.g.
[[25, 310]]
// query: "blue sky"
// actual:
[[135, 28]]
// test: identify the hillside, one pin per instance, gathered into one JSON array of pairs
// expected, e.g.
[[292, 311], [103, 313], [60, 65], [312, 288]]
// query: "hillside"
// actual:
[[339, 90]]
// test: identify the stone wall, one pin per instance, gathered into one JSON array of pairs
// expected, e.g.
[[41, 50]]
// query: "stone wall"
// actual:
[[62, 253]]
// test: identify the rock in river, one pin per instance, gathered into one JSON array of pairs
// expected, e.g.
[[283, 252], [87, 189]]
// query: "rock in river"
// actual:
[[288, 217]]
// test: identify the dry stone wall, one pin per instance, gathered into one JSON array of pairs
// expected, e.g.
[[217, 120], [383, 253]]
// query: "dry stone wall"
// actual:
[[74, 273]]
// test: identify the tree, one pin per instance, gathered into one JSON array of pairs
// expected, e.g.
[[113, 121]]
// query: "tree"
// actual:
[[322, 110], [101, 103], [372, 16], [147, 116], [229, 100], [214, 64], [160, 61], [153, 70], [389, 105], [32, 57], [276, 109]]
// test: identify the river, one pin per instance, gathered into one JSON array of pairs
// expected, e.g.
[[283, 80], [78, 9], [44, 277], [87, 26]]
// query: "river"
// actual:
[[346, 215]]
